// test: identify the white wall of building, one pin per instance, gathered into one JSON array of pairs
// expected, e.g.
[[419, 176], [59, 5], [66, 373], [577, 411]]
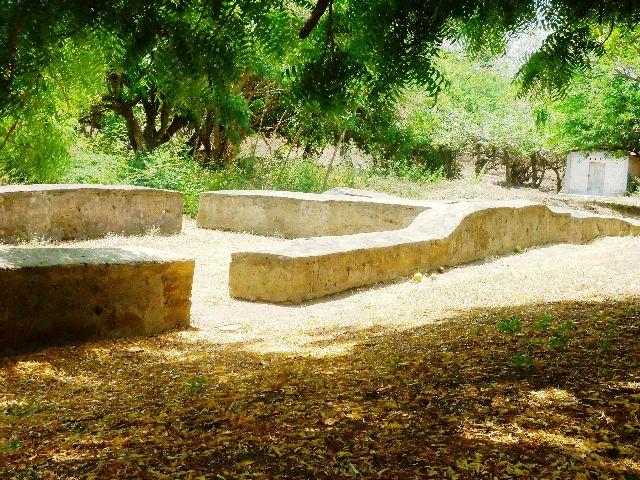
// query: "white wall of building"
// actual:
[[609, 174]]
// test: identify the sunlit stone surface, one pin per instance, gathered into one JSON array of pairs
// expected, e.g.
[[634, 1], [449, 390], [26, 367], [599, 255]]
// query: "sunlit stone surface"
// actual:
[[335, 259], [72, 212]]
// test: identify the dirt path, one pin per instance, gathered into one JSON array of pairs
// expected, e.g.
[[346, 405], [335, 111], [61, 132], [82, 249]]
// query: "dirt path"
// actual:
[[608, 267]]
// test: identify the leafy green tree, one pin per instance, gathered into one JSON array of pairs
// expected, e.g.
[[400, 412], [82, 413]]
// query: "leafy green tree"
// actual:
[[480, 104], [479, 113], [395, 44], [214, 72], [198, 66], [192, 67], [387, 44], [43, 128], [601, 109], [31, 36]]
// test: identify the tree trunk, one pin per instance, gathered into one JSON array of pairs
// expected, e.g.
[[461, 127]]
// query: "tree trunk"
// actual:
[[507, 168], [558, 173], [9, 133], [478, 158], [210, 145], [16, 122], [294, 144], [494, 156], [136, 137], [264, 111], [336, 149], [534, 170], [152, 135]]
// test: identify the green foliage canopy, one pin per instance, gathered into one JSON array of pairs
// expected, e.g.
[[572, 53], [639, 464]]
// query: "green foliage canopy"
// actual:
[[384, 44], [601, 109]]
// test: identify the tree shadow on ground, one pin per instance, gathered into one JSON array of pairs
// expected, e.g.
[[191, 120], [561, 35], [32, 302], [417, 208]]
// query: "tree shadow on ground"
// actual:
[[541, 391]]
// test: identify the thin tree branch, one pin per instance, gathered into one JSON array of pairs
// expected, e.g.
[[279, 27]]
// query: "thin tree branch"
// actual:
[[314, 18], [8, 134], [13, 127]]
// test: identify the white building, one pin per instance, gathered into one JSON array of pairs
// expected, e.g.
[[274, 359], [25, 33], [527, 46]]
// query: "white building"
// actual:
[[599, 174]]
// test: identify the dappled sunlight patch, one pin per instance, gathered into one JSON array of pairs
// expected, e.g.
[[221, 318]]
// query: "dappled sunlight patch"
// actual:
[[625, 465], [315, 347], [594, 454], [628, 386], [193, 335], [71, 455], [162, 353], [552, 396], [316, 344], [492, 432], [100, 353], [339, 349], [40, 369], [10, 402], [573, 445]]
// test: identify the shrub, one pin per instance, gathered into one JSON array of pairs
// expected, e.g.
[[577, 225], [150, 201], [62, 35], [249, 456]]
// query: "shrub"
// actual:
[[171, 168]]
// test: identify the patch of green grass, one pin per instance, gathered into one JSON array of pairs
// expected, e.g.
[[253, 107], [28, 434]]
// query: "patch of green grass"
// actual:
[[511, 325], [197, 385], [10, 446], [543, 323], [521, 360], [533, 334], [172, 168]]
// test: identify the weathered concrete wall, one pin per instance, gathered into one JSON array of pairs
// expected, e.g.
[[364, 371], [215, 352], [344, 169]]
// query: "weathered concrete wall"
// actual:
[[615, 175], [447, 235], [57, 294], [69, 212], [296, 215]]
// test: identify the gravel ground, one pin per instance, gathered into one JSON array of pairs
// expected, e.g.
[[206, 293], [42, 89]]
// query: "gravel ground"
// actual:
[[606, 268]]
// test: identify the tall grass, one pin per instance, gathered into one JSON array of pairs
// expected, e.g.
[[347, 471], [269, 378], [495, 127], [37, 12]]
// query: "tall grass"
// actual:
[[172, 169]]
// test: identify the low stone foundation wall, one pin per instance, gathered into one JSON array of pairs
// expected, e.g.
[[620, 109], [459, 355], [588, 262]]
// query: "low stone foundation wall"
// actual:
[[444, 234], [59, 294], [296, 215], [73, 212]]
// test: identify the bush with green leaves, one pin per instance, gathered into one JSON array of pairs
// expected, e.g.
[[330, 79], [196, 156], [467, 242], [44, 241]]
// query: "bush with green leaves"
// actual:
[[479, 114], [601, 108], [197, 385], [41, 130], [171, 167], [209, 74]]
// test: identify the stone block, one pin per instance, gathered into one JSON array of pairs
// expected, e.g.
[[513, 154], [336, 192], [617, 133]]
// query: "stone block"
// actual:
[[76, 212], [52, 295], [295, 215]]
